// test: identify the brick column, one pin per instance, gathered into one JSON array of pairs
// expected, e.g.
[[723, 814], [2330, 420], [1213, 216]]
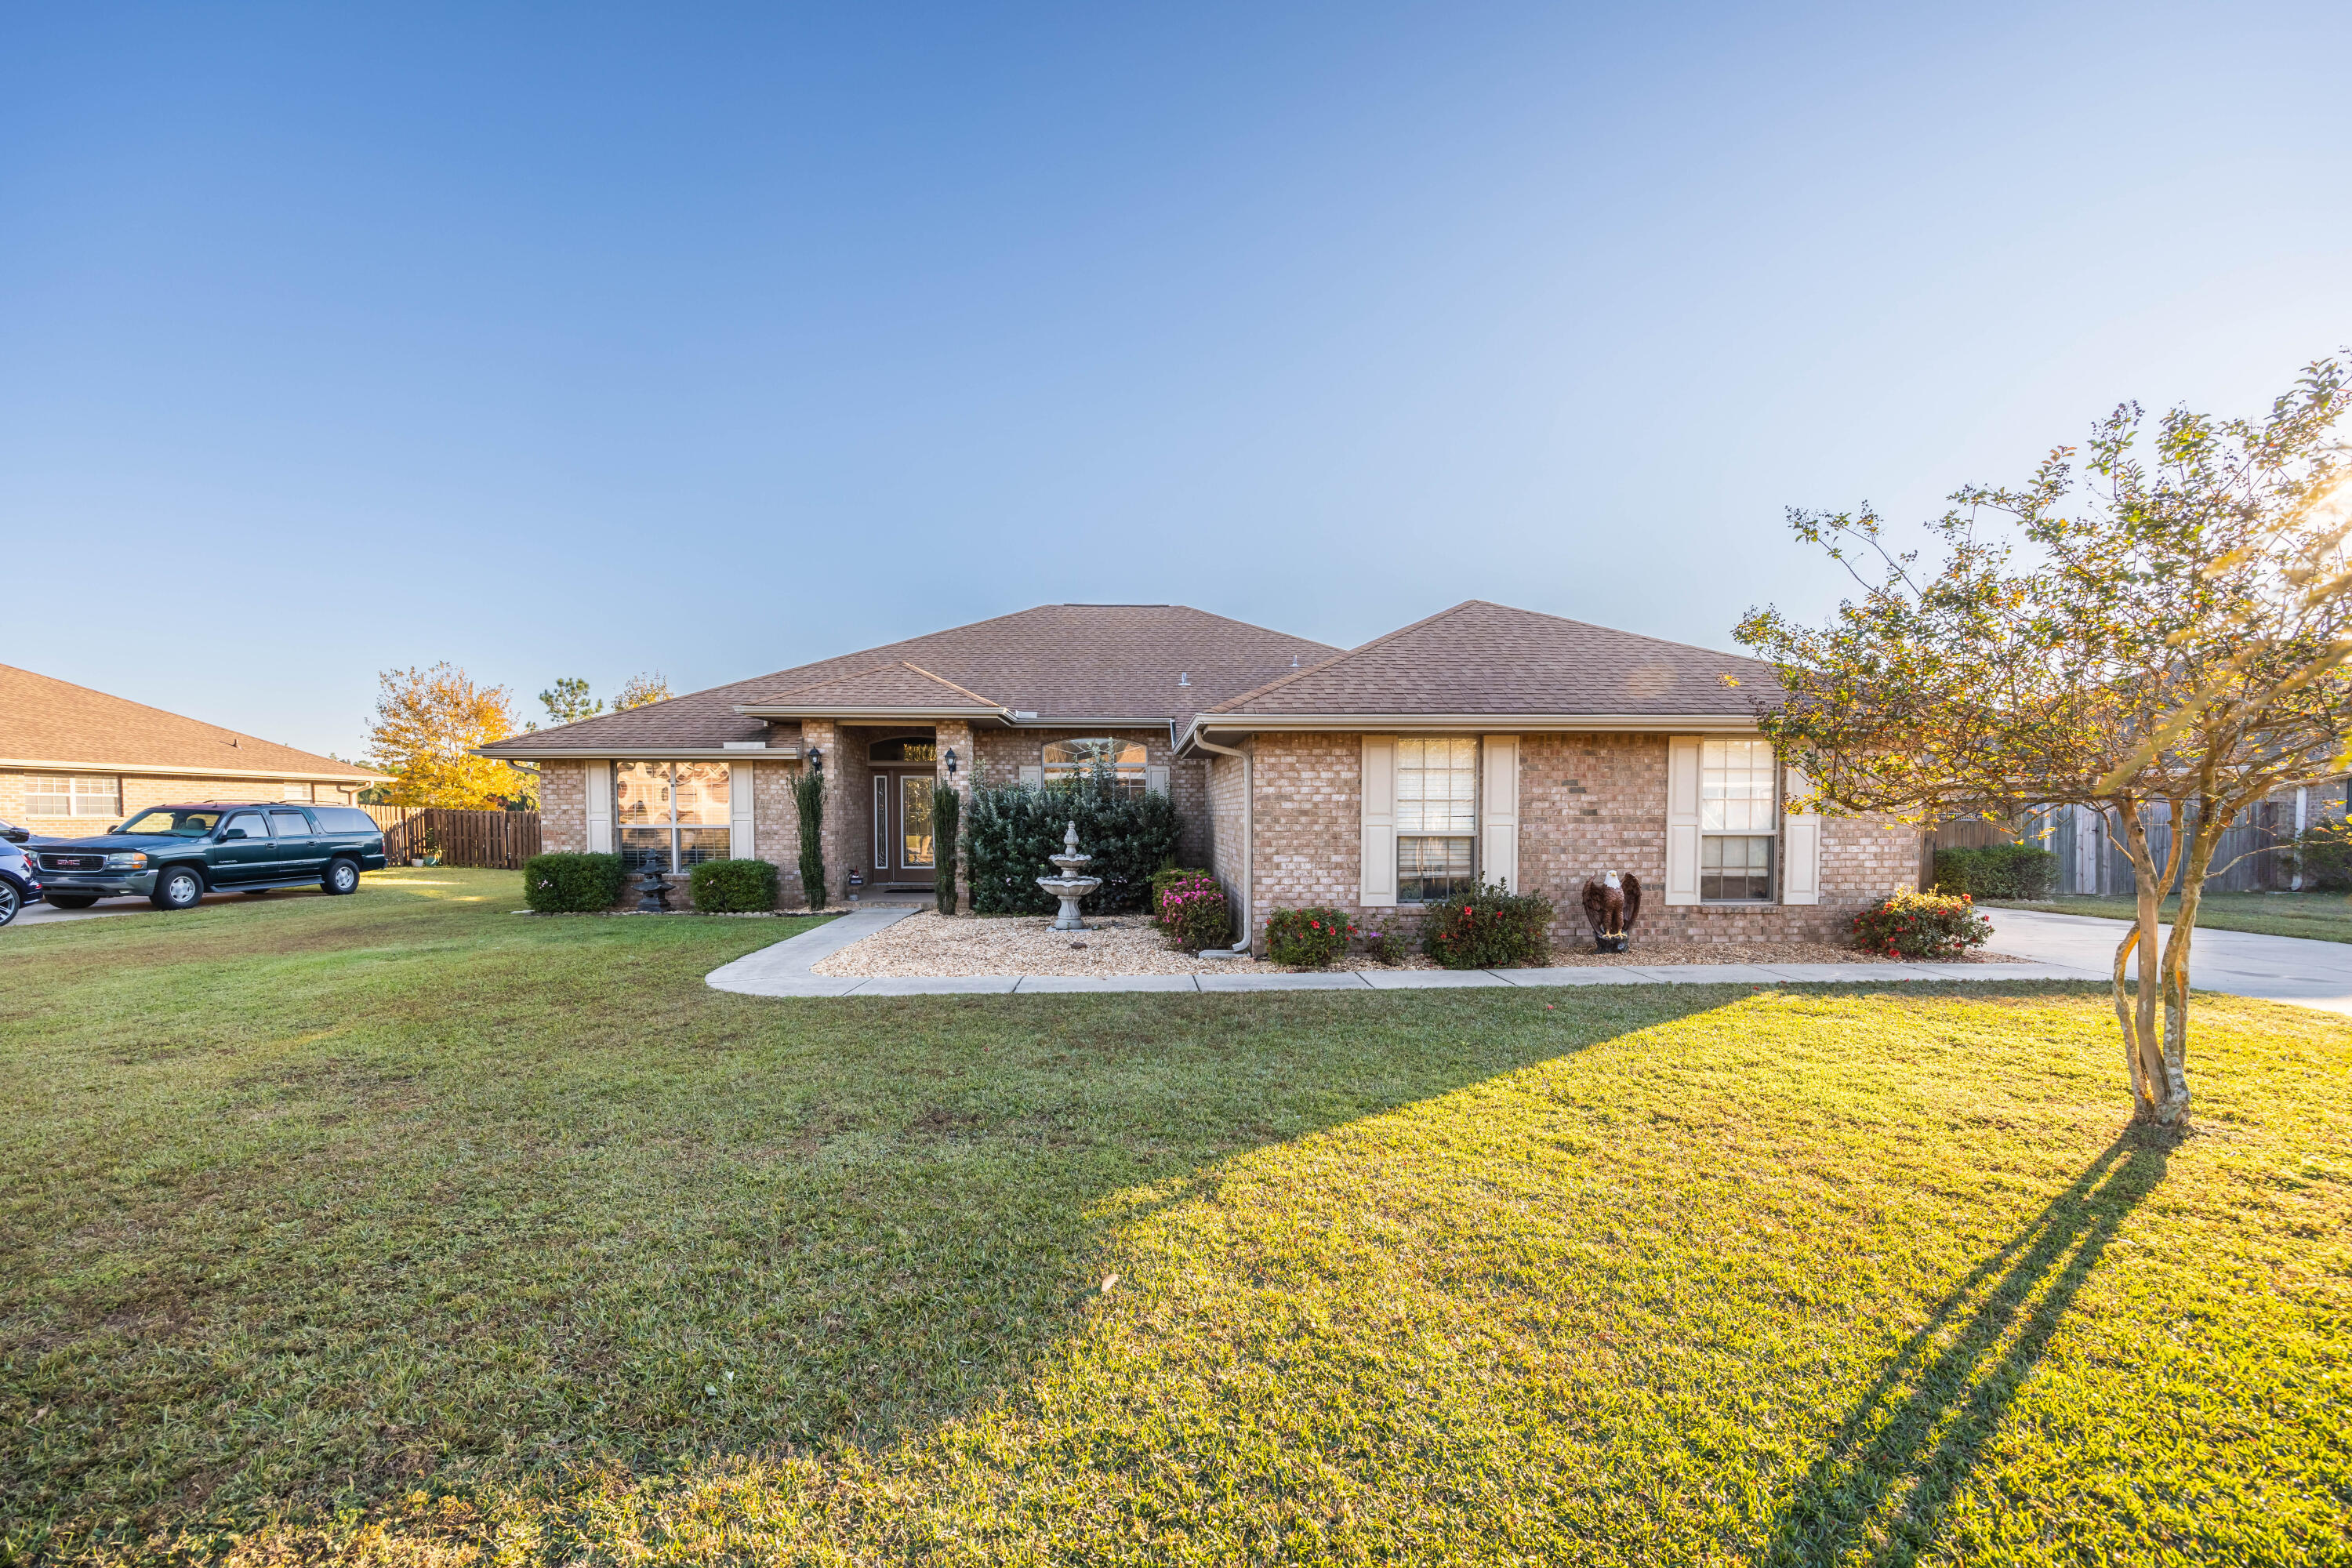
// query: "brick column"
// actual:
[[825, 736]]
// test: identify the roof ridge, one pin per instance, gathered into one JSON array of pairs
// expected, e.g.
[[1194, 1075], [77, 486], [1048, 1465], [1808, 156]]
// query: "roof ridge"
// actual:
[[1344, 655], [944, 680]]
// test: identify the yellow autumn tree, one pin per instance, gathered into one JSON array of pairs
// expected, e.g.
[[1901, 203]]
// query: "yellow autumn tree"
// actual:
[[427, 723]]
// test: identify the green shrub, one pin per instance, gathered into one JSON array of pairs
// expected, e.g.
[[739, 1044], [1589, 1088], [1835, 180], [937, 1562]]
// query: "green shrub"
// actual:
[[1307, 938], [1996, 871], [1012, 829], [1168, 875], [808, 794], [572, 884], [2322, 856], [1191, 911], [1490, 929], [1382, 946], [1922, 925], [732, 887], [947, 814]]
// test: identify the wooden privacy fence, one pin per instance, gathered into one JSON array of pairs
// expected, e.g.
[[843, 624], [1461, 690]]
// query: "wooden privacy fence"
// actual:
[[501, 840], [2245, 860]]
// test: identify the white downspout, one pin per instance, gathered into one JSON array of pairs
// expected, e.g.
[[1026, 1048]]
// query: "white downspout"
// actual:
[[1249, 839]]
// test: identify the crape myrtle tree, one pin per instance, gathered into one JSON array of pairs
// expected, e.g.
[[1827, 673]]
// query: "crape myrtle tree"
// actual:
[[2171, 627]]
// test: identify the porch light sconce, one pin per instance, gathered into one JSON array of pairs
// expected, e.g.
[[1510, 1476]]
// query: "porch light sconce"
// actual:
[[950, 761], [817, 760]]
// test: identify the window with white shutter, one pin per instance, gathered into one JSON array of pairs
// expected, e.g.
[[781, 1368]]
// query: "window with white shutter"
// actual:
[[1800, 871], [1376, 886], [600, 807], [1682, 819], [1498, 812]]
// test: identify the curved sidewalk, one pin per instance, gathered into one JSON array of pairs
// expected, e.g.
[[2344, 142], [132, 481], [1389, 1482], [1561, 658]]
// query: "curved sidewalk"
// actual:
[[2239, 964], [785, 970]]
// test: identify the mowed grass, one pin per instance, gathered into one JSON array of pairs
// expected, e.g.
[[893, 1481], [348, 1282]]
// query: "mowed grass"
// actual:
[[396, 1228], [2324, 916]]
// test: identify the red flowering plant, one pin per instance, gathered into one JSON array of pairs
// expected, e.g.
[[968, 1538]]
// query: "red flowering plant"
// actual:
[[1490, 929], [1922, 925], [1191, 912], [1308, 939]]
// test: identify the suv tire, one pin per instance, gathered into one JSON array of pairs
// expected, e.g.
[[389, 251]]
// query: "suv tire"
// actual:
[[178, 888], [72, 901], [11, 901], [343, 876]]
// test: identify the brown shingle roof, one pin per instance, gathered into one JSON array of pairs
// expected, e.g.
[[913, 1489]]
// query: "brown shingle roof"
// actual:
[[1484, 659], [1072, 661], [900, 685], [45, 722]]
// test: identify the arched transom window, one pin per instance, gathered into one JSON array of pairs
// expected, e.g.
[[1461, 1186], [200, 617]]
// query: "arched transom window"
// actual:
[[1072, 760]]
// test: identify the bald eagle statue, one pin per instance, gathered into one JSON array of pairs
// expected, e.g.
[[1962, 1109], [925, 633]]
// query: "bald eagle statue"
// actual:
[[1612, 903]]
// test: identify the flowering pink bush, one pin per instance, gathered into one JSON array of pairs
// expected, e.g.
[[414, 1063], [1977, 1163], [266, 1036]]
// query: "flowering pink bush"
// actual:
[[1922, 925], [1192, 913]]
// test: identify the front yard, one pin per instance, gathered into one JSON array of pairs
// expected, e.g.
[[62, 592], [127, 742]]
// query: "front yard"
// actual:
[[399, 1224]]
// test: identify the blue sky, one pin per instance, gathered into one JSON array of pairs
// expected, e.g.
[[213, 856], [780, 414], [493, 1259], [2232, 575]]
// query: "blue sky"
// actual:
[[577, 341]]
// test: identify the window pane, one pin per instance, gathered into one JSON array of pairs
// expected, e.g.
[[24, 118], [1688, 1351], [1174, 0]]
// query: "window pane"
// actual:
[[1431, 871], [701, 790], [1436, 785], [247, 823], [97, 797], [641, 791], [1736, 793], [914, 821], [290, 825], [882, 821], [695, 845], [295, 792], [643, 846], [1735, 870], [47, 796]]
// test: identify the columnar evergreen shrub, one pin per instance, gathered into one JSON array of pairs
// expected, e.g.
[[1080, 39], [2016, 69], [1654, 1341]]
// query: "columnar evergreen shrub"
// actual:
[[1012, 829], [572, 884], [1996, 871], [732, 887], [808, 794], [1922, 925], [1191, 912], [1308, 938], [947, 814], [1490, 929]]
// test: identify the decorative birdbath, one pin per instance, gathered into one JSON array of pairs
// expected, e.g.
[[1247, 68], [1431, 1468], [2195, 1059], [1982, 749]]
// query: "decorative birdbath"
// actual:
[[1069, 887]]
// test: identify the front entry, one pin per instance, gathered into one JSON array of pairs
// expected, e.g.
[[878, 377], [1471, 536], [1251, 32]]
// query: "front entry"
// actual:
[[903, 851]]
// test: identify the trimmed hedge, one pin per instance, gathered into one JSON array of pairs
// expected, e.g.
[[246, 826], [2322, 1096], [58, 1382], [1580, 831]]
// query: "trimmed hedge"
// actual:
[[572, 884], [1490, 929], [1996, 871], [1010, 830], [1922, 925], [1307, 938], [732, 887]]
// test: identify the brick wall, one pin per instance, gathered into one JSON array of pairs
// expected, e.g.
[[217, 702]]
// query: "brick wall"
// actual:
[[140, 791], [563, 807], [1227, 850], [1306, 815]]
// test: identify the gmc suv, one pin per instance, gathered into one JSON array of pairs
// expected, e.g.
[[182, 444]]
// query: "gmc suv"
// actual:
[[175, 854]]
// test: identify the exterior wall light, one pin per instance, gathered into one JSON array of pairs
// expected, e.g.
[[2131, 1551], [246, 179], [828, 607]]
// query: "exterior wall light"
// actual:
[[951, 765]]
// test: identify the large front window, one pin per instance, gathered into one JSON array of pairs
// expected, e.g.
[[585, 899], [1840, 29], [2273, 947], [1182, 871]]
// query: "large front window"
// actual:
[[1069, 761], [1436, 818], [1737, 808], [671, 814], [49, 795]]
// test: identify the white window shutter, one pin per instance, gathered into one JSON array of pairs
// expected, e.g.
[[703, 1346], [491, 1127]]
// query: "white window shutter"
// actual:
[[1155, 780], [1682, 819], [1801, 873], [1498, 812], [1033, 777], [740, 842], [1376, 886], [600, 807]]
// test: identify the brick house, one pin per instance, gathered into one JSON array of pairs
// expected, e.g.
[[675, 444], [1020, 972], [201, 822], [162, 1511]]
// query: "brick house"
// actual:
[[1483, 744], [74, 761]]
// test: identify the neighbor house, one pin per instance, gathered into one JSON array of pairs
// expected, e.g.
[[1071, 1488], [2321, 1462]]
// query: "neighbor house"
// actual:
[[75, 761], [1483, 744]]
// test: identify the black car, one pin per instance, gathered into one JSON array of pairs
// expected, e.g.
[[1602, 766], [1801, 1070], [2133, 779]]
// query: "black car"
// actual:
[[20, 883], [177, 854], [14, 834]]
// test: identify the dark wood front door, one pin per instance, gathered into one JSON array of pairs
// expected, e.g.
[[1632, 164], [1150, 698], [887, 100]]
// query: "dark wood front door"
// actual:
[[902, 849]]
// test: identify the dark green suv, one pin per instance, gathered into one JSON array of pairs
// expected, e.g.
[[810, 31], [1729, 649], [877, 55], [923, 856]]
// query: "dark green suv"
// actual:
[[177, 854]]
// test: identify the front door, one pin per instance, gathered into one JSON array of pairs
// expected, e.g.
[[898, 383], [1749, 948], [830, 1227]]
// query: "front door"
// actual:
[[243, 853], [903, 852]]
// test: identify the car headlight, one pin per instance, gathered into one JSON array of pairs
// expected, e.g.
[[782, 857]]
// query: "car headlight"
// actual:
[[131, 860]]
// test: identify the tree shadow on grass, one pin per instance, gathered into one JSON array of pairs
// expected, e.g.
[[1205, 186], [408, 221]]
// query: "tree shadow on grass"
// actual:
[[1912, 1442]]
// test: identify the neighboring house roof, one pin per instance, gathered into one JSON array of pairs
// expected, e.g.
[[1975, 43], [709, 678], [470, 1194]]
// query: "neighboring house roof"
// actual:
[[1054, 664], [1481, 661], [50, 723]]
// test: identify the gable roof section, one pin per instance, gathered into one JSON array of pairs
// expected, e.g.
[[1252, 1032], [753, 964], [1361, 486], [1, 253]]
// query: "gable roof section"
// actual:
[[46, 722], [1074, 662], [899, 686], [1484, 660]]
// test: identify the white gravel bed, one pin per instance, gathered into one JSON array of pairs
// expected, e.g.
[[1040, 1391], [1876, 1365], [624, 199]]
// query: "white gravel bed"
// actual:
[[929, 943]]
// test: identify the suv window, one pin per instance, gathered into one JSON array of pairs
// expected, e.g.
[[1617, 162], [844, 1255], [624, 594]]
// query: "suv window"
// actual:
[[290, 824], [248, 823], [344, 819]]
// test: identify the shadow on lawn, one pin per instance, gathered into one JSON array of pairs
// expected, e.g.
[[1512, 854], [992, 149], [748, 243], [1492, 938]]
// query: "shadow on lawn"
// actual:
[[1913, 1440]]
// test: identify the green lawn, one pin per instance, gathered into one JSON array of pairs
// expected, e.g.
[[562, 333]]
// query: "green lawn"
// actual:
[[400, 1227], [2327, 917]]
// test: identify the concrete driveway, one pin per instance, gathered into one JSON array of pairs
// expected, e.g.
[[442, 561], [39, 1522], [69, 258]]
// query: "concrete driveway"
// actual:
[[2275, 968], [49, 914]]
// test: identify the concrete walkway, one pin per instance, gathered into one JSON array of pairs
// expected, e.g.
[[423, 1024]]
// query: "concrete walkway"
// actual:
[[785, 970], [2239, 964]]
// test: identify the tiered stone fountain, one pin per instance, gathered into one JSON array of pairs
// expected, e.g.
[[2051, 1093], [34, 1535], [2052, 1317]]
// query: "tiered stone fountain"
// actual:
[[1070, 887]]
